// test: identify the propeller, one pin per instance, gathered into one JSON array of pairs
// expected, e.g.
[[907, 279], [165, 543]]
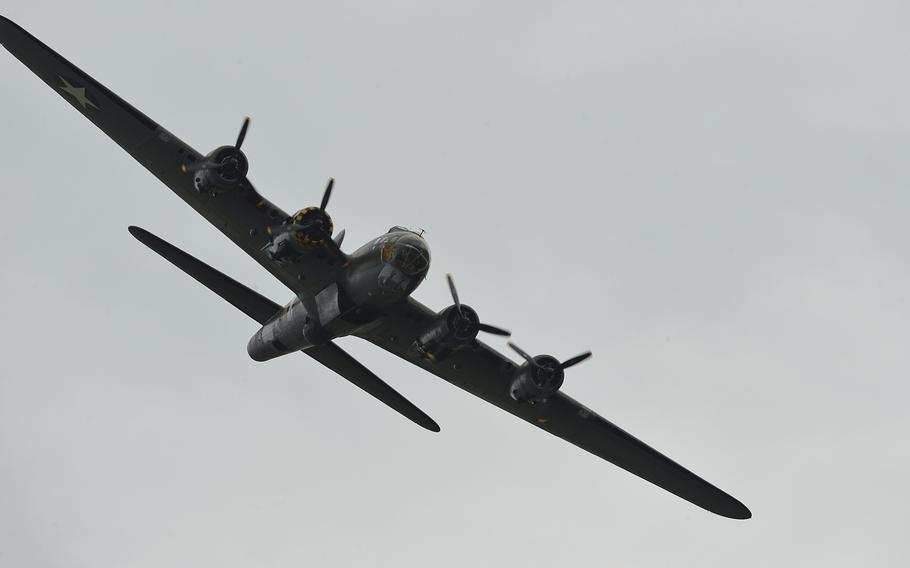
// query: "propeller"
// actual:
[[232, 163], [315, 221], [481, 326], [494, 330], [564, 365], [242, 135], [454, 292], [541, 377], [326, 195], [575, 360], [318, 221], [523, 354]]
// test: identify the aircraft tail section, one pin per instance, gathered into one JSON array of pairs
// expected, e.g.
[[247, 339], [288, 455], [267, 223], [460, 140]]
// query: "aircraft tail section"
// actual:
[[247, 301], [262, 309]]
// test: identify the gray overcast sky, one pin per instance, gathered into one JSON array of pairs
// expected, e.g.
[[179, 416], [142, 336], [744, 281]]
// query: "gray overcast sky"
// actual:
[[711, 196]]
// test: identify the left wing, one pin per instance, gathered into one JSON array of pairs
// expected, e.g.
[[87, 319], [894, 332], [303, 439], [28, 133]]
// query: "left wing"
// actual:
[[243, 215], [487, 374]]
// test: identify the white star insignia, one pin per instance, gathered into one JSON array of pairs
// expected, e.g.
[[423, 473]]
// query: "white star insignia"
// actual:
[[78, 93]]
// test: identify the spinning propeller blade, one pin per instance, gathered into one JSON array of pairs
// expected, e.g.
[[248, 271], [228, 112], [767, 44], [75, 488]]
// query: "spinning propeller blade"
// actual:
[[327, 194], [575, 360], [564, 365], [521, 352], [453, 291], [481, 326], [237, 144], [242, 135], [494, 330]]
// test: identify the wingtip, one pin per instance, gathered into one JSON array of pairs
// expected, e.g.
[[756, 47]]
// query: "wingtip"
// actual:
[[137, 232], [5, 25], [428, 423], [737, 510]]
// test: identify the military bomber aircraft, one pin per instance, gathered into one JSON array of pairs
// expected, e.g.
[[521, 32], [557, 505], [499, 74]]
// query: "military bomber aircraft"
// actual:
[[366, 293]]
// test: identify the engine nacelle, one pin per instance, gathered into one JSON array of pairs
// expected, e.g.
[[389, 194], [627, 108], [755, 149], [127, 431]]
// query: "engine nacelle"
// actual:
[[452, 329], [537, 382], [221, 171], [309, 229]]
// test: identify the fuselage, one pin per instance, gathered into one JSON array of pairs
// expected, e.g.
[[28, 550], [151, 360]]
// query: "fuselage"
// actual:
[[382, 272]]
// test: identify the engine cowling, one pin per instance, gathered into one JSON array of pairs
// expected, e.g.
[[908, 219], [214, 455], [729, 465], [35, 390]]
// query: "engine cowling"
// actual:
[[452, 329], [537, 381], [312, 227], [307, 230], [223, 170], [540, 377]]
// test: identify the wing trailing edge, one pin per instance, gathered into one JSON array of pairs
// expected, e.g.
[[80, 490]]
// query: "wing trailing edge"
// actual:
[[260, 308]]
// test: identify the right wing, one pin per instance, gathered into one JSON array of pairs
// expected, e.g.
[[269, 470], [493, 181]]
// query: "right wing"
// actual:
[[487, 374], [262, 309], [243, 215]]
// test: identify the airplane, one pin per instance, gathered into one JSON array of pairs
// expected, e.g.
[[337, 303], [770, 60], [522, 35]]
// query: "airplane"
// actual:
[[365, 293]]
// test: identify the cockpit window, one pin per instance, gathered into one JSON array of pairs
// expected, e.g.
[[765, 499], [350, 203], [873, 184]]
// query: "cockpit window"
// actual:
[[400, 229], [406, 258]]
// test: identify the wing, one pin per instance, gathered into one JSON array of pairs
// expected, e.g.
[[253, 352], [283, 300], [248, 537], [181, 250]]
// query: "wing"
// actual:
[[242, 215], [487, 374], [262, 309]]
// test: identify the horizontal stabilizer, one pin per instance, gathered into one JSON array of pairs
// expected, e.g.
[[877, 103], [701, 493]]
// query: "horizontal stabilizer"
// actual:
[[261, 309], [247, 301]]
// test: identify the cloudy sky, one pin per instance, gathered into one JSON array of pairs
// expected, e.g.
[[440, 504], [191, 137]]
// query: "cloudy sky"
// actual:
[[711, 197]]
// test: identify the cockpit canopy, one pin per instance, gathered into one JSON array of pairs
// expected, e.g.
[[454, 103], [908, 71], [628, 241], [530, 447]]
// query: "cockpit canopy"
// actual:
[[400, 229]]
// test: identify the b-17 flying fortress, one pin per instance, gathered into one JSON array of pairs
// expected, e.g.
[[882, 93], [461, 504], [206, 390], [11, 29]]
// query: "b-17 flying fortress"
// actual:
[[365, 293]]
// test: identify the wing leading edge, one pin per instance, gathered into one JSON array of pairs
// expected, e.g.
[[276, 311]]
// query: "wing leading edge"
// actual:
[[487, 374]]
